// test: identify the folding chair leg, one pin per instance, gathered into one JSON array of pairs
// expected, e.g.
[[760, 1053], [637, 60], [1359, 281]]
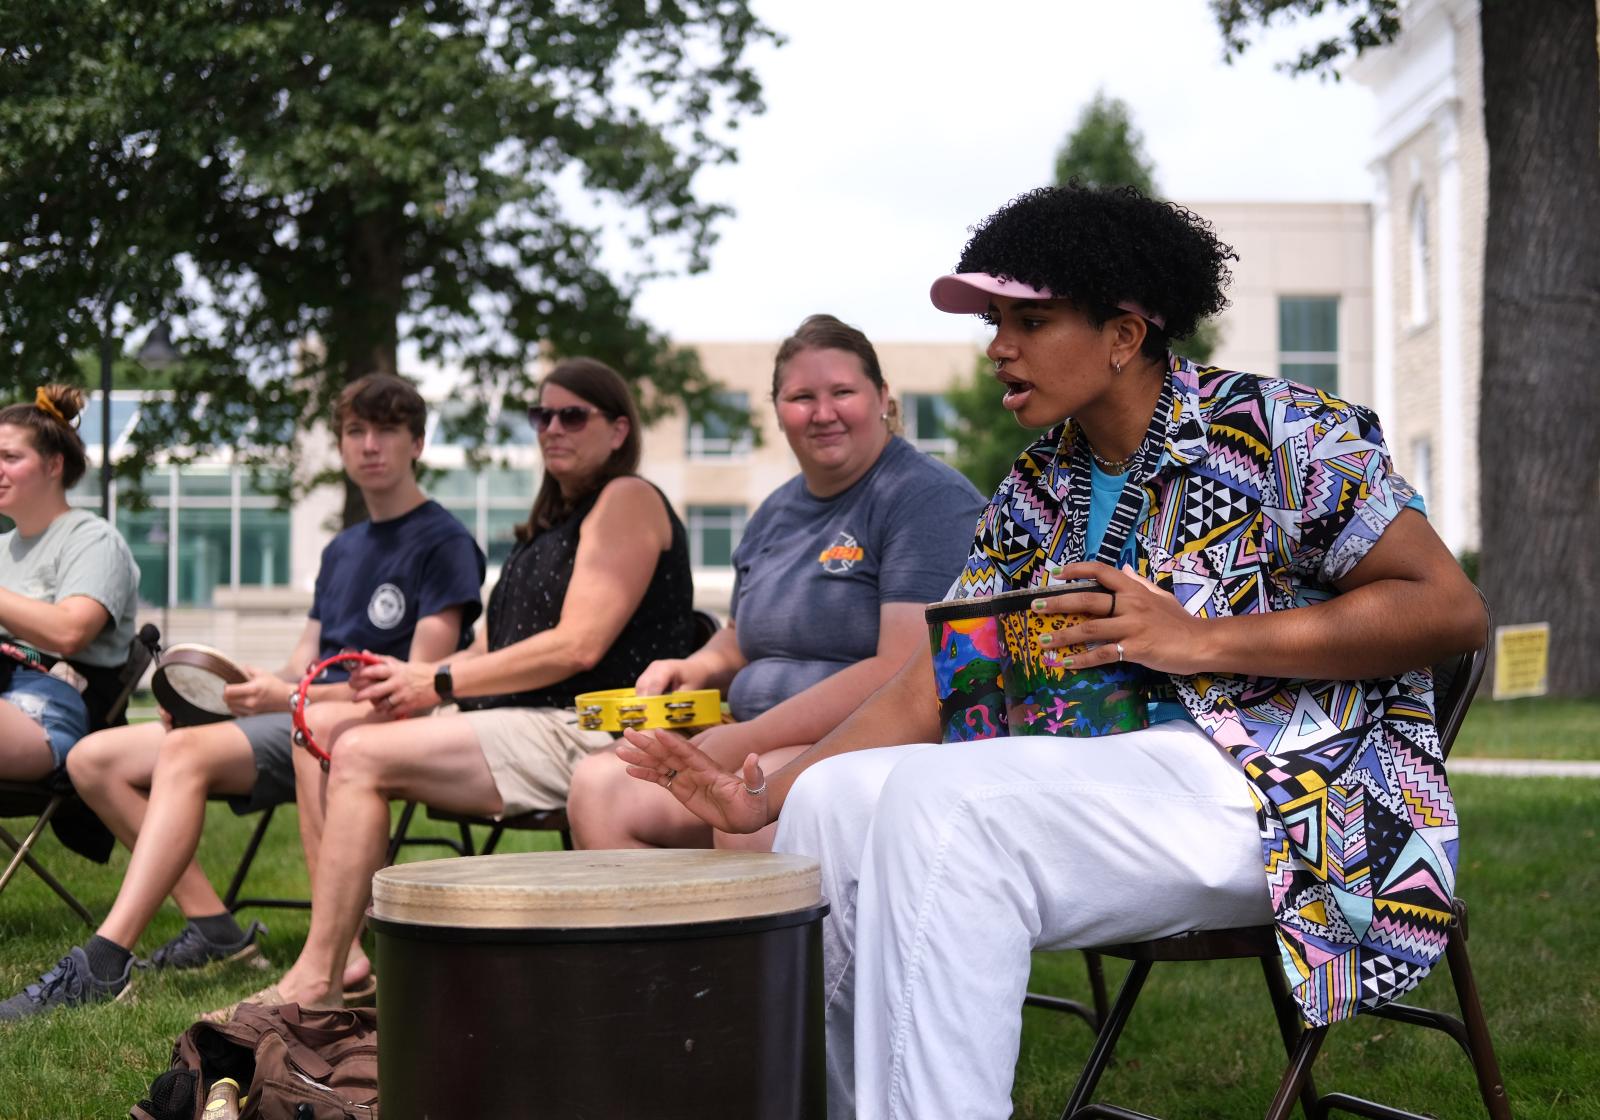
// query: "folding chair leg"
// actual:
[[400, 830], [1298, 1075], [1289, 1027], [1106, 1042], [24, 855], [231, 898], [1480, 1047], [1095, 965]]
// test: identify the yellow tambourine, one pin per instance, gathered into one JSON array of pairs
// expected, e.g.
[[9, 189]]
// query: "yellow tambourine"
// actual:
[[617, 709]]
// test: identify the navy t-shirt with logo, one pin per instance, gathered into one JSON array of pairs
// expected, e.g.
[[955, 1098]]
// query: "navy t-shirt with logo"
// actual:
[[810, 573], [379, 577]]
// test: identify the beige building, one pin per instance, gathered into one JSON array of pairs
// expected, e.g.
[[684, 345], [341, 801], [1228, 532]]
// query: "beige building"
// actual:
[[1430, 188], [1301, 298]]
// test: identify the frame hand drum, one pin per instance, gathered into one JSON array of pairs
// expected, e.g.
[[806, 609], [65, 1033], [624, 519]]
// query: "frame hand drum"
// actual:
[[993, 681], [297, 702], [619, 709], [188, 683], [670, 984]]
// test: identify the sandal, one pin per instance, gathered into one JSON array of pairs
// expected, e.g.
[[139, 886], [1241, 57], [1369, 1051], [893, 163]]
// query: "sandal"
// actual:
[[267, 997], [363, 994]]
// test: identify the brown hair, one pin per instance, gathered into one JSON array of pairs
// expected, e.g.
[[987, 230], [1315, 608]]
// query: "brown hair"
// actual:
[[382, 398], [599, 385], [825, 332], [50, 428]]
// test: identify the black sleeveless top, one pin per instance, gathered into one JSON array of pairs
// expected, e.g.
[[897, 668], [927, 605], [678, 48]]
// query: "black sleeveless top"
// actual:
[[533, 584]]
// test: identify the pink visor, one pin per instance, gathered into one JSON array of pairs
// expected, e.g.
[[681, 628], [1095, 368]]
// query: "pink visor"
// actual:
[[968, 293]]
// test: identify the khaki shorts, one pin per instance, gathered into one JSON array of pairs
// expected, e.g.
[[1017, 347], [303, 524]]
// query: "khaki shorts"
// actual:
[[532, 752]]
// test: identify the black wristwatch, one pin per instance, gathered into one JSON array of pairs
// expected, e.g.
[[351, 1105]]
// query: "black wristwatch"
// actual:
[[443, 684]]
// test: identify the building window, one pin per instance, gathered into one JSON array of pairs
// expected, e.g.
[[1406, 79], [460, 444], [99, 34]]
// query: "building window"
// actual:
[[491, 503], [930, 423], [1422, 466], [220, 530], [1308, 341], [714, 533], [1420, 258], [713, 438]]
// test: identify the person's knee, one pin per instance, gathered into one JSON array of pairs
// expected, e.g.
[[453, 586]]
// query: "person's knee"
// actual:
[[192, 756], [358, 759], [594, 782], [92, 760]]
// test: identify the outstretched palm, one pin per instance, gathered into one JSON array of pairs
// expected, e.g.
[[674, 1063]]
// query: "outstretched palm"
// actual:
[[724, 799]]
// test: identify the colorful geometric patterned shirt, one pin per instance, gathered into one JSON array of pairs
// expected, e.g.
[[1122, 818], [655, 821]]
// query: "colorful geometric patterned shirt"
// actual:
[[1250, 495]]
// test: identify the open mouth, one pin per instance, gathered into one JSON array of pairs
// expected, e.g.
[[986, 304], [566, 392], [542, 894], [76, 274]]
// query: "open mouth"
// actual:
[[1017, 391]]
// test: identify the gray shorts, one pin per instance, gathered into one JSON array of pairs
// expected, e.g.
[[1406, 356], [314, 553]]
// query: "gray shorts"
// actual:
[[271, 739]]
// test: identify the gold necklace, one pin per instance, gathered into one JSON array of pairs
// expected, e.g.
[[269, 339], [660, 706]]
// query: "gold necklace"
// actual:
[[1110, 466]]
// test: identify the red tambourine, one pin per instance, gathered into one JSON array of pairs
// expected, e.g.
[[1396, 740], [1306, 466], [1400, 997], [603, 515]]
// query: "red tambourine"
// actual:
[[297, 702]]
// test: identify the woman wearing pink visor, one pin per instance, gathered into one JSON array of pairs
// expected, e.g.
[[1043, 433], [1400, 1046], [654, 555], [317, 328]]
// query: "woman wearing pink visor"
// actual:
[[1260, 559]]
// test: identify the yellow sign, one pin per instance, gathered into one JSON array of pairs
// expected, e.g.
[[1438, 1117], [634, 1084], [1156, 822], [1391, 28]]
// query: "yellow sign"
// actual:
[[1521, 660]]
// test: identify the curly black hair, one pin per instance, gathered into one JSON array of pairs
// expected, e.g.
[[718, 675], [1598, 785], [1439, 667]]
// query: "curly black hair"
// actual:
[[1100, 247]]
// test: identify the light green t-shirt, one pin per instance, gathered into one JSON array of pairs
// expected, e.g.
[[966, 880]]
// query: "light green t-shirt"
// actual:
[[77, 554]]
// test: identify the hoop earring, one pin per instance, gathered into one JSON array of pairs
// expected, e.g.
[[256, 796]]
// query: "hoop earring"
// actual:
[[1116, 365]]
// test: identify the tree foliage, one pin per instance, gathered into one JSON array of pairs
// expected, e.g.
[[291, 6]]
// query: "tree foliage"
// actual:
[[1104, 149], [298, 185]]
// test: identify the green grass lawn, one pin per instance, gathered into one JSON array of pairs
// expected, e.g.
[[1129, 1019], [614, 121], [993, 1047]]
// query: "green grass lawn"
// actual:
[[1533, 728], [1202, 1043]]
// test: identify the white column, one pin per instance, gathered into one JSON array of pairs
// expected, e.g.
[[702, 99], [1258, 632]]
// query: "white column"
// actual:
[[1383, 299], [1451, 476]]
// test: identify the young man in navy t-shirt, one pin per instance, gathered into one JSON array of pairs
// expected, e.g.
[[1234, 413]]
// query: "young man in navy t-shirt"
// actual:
[[404, 583]]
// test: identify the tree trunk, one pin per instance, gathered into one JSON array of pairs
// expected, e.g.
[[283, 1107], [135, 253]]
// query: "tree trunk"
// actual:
[[1539, 432], [365, 338]]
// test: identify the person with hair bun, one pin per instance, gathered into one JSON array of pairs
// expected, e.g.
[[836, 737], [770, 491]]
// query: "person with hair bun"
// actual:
[[69, 588], [1258, 556], [830, 580]]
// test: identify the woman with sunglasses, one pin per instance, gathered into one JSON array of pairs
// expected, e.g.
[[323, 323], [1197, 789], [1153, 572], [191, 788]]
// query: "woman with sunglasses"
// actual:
[[831, 578], [69, 588], [597, 587], [1261, 558]]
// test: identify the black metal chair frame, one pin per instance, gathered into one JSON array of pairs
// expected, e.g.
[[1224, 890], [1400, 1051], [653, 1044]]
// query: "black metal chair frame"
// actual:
[[1456, 682], [44, 800]]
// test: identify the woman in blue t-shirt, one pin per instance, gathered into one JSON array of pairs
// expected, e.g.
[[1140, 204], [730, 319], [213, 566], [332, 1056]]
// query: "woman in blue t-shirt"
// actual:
[[830, 580], [68, 589]]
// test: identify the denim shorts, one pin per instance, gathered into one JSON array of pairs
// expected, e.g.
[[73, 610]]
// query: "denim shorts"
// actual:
[[53, 704]]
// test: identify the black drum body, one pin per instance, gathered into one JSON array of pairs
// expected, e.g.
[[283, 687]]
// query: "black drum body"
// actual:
[[719, 1018]]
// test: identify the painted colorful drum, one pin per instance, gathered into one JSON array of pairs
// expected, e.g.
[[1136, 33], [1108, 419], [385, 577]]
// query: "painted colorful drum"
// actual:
[[612, 983], [992, 678]]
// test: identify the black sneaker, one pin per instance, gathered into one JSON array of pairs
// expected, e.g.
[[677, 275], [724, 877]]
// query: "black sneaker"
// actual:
[[193, 949], [68, 984]]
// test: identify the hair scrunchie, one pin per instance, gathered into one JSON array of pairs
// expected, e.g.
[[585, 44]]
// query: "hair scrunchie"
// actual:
[[42, 401]]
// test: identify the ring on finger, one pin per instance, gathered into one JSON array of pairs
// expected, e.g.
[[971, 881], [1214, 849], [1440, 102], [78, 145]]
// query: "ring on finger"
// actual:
[[1112, 609], [671, 774], [1120, 654], [759, 790]]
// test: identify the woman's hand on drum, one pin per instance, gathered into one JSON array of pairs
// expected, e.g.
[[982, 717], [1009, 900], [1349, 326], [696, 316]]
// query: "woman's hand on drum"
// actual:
[[261, 692], [1130, 620], [395, 688], [733, 801], [670, 674]]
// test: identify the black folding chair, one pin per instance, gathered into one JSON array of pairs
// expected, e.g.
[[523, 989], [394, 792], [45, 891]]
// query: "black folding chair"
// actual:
[[1455, 683], [53, 802]]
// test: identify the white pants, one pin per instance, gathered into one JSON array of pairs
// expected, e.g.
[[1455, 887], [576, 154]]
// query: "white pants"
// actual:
[[947, 864]]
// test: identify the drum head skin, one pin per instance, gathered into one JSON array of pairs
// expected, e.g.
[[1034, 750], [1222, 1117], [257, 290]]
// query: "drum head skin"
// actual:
[[568, 890], [188, 683]]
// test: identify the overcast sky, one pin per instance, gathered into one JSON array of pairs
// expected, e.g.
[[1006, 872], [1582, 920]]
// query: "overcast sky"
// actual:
[[891, 127]]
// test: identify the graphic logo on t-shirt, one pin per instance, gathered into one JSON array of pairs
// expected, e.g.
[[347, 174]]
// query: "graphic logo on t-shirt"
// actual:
[[387, 608], [842, 555]]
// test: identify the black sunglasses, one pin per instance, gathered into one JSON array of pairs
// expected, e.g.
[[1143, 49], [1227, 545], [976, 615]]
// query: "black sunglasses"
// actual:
[[573, 417]]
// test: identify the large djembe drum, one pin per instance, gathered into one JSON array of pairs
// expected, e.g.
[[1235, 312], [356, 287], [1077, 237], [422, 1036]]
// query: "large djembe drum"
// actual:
[[993, 680], [612, 983]]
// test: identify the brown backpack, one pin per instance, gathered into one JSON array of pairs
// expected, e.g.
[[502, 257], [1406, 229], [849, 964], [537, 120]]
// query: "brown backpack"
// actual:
[[297, 1063]]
